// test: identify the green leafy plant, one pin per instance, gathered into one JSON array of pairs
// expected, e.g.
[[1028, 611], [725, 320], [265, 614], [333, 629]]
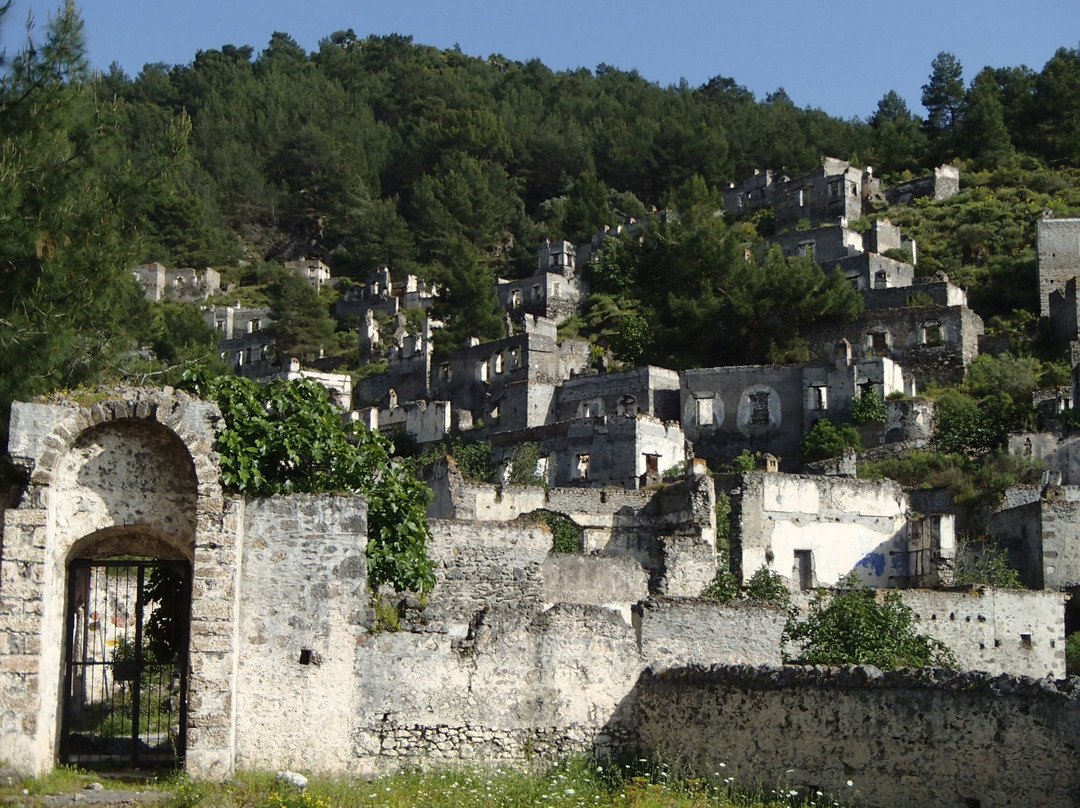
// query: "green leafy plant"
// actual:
[[1072, 654], [766, 585], [724, 587], [288, 437], [868, 408], [566, 536], [980, 563], [851, 626], [826, 439]]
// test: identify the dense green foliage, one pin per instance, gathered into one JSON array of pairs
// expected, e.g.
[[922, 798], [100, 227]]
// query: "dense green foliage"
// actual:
[[970, 481], [826, 439], [289, 438], [851, 626], [868, 408]]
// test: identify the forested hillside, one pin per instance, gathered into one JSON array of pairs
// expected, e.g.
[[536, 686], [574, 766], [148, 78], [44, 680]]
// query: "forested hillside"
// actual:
[[384, 152]]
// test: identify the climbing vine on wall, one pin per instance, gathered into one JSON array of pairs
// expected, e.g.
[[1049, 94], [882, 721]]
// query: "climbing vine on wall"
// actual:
[[288, 437]]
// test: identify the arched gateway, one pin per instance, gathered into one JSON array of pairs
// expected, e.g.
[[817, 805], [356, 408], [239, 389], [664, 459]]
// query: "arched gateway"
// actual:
[[107, 660]]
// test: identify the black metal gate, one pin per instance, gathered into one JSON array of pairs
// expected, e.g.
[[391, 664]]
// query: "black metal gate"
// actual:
[[125, 672]]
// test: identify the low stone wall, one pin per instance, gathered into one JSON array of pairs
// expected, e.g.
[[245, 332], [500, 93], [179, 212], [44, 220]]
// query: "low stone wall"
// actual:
[[1021, 632], [684, 631], [924, 737]]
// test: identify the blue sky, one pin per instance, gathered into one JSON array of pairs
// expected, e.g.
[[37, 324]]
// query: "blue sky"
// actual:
[[841, 56]]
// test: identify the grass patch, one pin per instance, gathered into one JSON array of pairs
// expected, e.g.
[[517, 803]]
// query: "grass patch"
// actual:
[[575, 783]]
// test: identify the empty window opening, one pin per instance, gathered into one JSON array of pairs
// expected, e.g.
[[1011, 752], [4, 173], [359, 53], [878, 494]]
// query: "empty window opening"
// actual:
[[804, 569], [932, 334], [759, 412], [305, 656], [705, 411]]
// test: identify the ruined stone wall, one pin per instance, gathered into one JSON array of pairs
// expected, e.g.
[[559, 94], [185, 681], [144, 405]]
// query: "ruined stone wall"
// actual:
[[942, 293], [1018, 631], [846, 525], [943, 183], [728, 409], [825, 245], [873, 272], [646, 390], [1059, 452], [677, 632], [932, 344], [486, 566], [902, 738], [1058, 245], [302, 595]]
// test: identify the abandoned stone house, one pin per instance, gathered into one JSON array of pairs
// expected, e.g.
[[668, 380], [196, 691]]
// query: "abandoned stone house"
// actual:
[[380, 294], [184, 284], [537, 654], [312, 270], [554, 292]]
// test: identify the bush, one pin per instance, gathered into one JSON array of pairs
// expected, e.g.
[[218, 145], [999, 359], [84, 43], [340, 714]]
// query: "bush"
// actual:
[[766, 585], [868, 409], [566, 535], [826, 439], [850, 626], [724, 587], [979, 563]]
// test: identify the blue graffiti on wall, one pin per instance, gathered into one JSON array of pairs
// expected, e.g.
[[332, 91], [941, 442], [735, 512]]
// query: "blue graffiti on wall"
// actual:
[[875, 562]]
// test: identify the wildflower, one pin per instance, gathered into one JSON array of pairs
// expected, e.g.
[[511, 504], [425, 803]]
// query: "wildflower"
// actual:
[[850, 784]]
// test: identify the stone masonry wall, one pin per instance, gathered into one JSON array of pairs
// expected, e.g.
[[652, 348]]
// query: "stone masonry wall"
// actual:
[[303, 592], [903, 738], [1021, 632], [782, 514]]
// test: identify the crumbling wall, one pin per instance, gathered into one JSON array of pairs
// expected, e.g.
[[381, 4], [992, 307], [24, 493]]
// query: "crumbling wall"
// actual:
[[1042, 535], [1018, 631], [845, 525], [924, 737], [931, 343], [1058, 245], [486, 565], [680, 632], [302, 595], [1059, 452]]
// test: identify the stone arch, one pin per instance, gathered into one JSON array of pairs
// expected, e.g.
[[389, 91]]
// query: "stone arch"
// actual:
[[122, 474], [138, 540], [134, 474]]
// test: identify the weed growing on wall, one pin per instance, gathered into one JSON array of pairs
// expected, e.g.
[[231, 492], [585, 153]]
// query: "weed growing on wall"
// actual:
[[288, 437]]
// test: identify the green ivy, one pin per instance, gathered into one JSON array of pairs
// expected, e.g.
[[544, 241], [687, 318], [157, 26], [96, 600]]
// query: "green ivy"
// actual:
[[288, 437]]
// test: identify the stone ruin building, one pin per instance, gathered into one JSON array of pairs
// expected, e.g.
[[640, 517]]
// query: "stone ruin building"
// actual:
[[185, 284], [276, 659]]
